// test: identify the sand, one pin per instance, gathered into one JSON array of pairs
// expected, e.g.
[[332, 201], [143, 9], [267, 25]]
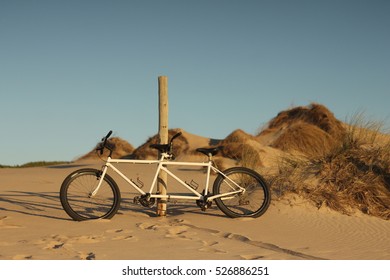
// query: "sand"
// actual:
[[34, 226]]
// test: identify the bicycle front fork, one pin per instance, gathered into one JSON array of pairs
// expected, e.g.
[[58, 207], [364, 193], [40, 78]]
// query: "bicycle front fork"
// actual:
[[100, 178]]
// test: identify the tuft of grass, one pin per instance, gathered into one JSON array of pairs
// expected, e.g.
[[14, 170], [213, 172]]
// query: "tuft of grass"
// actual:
[[35, 164], [305, 138], [354, 175], [311, 130], [362, 131], [237, 146], [250, 157]]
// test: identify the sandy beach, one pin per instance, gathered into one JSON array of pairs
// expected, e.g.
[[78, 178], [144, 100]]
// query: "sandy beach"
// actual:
[[34, 226]]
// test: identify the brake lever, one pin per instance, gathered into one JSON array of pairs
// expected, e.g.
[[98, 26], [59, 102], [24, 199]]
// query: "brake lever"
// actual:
[[104, 142], [175, 136]]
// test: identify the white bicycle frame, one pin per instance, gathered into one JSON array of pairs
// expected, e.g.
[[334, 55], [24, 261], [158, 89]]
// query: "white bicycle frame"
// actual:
[[162, 166]]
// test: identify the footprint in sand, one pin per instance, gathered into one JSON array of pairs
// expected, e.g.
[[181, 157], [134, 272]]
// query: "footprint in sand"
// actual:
[[58, 237], [54, 242], [54, 245], [182, 233], [176, 230], [208, 247], [4, 225], [91, 256], [88, 239], [176, 223], [172, 229], [251, 257], [148, 226], [88, 256], [114, 230], [57, 242], [123, 234], [22, 257], [127, 238]]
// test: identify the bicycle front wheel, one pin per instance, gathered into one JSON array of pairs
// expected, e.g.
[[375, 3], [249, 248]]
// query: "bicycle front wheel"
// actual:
[[78, 202], [253, 202]]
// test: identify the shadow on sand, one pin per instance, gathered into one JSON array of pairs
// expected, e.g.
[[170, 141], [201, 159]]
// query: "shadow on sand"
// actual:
[[41, 204], [48, 205], [173, 209]]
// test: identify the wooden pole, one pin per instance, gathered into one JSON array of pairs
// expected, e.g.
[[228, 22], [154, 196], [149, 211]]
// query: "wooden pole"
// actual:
[[163, 135]]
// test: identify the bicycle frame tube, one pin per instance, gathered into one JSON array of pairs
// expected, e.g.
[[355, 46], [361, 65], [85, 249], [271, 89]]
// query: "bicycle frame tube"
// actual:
[[108, 164], [162, 166], [104, 171], [234, 187]]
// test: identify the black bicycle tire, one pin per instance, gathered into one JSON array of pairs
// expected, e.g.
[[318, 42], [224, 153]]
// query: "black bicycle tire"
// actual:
[[226, 209], [75, 214]]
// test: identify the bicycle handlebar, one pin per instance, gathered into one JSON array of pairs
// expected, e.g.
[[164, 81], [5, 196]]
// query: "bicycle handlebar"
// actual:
[[105, 138], [104, 142], [175, 136]]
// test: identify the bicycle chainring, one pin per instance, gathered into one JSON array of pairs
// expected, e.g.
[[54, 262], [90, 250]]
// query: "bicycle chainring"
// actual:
[[204, 204], [144, 200]]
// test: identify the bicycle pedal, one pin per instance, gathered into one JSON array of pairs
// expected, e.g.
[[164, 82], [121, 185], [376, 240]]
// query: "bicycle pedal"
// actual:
[[136, 200], [243, 202], [204, 205]]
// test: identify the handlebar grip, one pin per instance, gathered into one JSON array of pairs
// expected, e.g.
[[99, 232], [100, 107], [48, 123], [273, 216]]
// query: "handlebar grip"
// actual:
[[104, 139], [176, 135], [108, 134]]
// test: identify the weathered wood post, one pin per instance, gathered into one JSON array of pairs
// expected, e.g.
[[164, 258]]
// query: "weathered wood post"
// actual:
[[163, 135]]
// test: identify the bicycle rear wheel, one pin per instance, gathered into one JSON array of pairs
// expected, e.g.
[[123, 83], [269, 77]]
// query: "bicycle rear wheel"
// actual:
[[251, 203], [76, 199]]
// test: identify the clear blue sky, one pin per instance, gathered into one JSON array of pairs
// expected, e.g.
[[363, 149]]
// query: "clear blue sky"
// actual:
[[71, 70]]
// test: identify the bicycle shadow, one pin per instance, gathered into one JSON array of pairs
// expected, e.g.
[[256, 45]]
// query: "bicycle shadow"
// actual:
[[47, 205], [173, 210], [41, 204]]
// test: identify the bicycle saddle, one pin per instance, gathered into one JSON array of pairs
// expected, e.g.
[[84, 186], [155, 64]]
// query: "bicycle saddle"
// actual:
[[163, 148], [209, 151]]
